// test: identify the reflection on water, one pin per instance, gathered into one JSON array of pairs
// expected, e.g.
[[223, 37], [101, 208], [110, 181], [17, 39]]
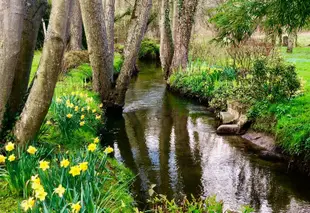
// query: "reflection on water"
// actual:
[[172, 143]]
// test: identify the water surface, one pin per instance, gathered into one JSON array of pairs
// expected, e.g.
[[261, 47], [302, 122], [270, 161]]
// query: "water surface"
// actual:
[[171, 142]]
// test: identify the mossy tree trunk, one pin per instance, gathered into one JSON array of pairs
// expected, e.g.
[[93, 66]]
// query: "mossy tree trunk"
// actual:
[[135, 34], [290, 44], [32, 21], [11, 26], [97, 42], [186, 15], [166, 42], [75, 27], [42, 90]]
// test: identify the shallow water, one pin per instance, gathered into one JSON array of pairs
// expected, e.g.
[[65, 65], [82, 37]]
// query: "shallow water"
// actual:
[[171, 142]]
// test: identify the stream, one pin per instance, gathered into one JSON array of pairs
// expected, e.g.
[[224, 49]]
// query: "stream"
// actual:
[[171, 142]]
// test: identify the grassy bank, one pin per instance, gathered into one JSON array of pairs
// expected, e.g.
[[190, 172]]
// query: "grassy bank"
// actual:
[[285, 117], [66, 149]]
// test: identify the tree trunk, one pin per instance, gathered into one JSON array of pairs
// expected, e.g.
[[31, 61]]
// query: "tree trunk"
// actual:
[[75, 27], [42, 91], [34, 12], [109, 20], [97, 42], [166, 42], [280, 39], [290, 44], [136, 32], [11, 26], [175, 15], [187, 11]]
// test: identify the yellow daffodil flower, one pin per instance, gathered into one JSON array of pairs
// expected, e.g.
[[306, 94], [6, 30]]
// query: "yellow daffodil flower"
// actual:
[[12, 158], [64, 163], [31, 150], [98, 117], [76, 207], [27, 204], [83, 166], [58, 100], [44, 165], [82, 117], [76, 108], [71, 105], [75, 170], [101, 105], [88, 108], [69, 116], [92, 147], [60, 190], [35, 179], [96, 140], [2, 159], [83, 109], [108, 150], [48, 122], [10, 147], [82, 123], [40, 194], [68, 102], [94, 111]]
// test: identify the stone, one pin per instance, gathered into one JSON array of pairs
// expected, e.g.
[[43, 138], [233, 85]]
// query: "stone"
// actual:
[[226, 117], [228, 129]]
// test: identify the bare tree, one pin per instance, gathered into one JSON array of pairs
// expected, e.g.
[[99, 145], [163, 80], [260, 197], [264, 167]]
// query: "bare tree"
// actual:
[[135, 35], [42, 90], [11, 26], [166, 42], [186, 15], [32, 20], [97, 42], [75, 27], [109, 20]]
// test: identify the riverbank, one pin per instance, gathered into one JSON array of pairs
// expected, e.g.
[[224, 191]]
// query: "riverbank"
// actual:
[[286, 120], [67, 148]]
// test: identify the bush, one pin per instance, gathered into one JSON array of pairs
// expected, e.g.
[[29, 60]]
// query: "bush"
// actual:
[[149, 49]]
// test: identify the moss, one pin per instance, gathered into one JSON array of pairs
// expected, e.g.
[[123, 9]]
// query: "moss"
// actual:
[[74, 59]]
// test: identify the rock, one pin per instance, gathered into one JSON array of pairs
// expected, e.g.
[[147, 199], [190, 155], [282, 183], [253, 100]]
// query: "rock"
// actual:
[[228, 129], [227, 118], [262, 140], [271, 156]]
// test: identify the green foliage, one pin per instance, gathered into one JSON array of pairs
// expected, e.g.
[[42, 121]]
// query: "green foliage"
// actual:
[[94, 186], [118, 62], [149, 49], [160, 204]]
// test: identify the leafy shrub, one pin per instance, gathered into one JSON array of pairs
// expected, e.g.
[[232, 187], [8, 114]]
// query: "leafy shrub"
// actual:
[[149, 49], [118, 62]]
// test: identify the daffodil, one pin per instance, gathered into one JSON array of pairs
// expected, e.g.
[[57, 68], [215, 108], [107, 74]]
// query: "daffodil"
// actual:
[[44, 165], [48, 122], [96, 140], [82, 117], [69, 116], [58, 100], [60, 190], [101, 105], [27, 204], [82, 123], [64, 163], [76, 108], [37, 186], [75, 170], [83, 166], [31, 150], [94, 111], [108, 150], [12, 158], [2, 159], [88, 108], [10, 147], [92, 147], [83, 109], [71, 105], [76, 207], [98, 117], [35, 179], [40, 194]]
